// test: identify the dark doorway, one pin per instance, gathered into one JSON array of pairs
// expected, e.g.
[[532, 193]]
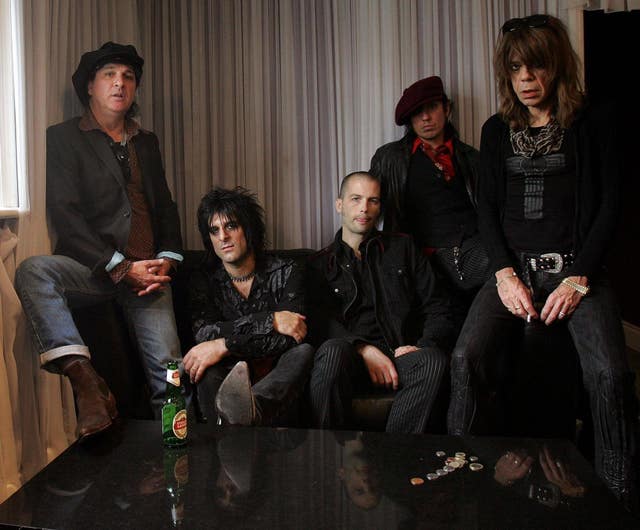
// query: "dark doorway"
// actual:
[[611, 51]]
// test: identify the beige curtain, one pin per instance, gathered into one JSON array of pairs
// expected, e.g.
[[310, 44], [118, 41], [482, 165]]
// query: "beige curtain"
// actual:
[[10, 448], [281, 96], [285, 97]]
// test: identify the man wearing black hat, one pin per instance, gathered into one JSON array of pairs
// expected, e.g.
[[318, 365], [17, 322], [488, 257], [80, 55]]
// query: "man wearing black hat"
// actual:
[[118, 235], [429, 181]]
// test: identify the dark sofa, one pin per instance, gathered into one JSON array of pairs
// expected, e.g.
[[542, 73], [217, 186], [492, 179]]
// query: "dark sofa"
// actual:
[[115, 356], [546, 394]]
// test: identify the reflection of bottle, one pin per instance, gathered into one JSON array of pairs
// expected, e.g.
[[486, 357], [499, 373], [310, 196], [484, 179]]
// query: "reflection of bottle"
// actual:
[[176, 474], [174, 411]]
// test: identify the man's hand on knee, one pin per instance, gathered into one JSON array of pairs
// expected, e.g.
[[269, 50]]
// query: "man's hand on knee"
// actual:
[[403, 350], [202, 356], [381, 369]]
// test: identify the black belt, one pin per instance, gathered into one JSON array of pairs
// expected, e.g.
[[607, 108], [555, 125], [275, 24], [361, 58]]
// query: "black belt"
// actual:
[[553, 262]]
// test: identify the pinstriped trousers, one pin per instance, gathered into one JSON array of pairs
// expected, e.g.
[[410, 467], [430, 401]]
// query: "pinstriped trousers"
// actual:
[[339, 372]]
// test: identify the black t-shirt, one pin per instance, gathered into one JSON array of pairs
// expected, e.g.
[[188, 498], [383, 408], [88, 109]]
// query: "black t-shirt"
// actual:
[[540, 199], [361, 317]]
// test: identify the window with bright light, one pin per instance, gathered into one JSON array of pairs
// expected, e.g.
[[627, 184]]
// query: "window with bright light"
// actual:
[[12, 115]]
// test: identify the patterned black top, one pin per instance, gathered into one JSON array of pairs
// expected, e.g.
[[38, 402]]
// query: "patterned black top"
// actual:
[[219, 311]]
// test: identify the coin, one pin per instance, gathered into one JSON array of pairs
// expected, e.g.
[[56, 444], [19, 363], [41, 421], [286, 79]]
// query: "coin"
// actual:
[[432, 476], [475, 466], [416, 481], [440, 454]]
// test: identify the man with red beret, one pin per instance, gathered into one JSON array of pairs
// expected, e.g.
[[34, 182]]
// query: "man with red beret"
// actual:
[[429, 181], [118, 236]]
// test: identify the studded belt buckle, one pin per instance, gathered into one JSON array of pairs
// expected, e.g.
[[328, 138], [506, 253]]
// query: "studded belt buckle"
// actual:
[[559, 262]]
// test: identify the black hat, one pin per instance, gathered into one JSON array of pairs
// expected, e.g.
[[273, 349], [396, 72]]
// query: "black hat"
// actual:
[[109, 52]]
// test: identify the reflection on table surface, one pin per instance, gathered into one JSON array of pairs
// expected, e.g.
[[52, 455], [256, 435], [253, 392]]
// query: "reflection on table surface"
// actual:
[[289, 478]]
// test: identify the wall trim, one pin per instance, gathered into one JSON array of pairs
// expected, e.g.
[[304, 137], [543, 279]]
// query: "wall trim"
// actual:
[[631, 335]]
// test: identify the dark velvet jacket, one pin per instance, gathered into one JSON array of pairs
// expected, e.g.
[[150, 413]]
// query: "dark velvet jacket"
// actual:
[[219, 311], [390, 164], [87, 195], [409, 308], [597, 193]]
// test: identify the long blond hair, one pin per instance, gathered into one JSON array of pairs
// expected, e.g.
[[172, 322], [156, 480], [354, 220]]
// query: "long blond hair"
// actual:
[[547, 46]]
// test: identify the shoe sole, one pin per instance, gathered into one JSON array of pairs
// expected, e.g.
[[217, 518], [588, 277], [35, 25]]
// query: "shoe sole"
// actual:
[[233, 400]]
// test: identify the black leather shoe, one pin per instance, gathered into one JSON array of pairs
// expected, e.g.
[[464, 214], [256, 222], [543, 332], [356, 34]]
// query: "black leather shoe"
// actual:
[[235, 402]]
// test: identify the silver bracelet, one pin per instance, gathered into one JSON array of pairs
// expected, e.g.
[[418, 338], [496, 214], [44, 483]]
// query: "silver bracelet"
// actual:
[[582, 289]]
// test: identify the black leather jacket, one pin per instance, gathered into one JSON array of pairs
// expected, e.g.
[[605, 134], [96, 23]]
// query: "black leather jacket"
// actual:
[[409, 309], [390, 164]]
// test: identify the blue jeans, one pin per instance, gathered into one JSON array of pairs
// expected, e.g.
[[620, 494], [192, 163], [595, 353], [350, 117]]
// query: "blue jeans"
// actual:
[[50, 286], [477, 369]]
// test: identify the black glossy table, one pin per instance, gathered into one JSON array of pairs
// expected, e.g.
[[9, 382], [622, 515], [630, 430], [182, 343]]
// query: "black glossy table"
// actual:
[[286, 478]]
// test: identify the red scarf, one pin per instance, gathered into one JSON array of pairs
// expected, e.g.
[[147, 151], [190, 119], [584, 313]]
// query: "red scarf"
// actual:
[[441, 156]]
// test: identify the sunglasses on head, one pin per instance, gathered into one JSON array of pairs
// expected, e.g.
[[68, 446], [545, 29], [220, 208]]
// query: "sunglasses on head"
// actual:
[[515, 24]]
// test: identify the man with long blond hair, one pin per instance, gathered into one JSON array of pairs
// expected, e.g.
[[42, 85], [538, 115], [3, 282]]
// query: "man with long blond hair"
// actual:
[[548, 204]]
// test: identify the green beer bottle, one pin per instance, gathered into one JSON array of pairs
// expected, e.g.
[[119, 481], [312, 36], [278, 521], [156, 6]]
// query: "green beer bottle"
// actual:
[[174, 410]]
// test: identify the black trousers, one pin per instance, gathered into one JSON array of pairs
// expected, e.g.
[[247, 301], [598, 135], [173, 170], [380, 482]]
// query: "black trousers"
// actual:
[[277, 394], [338, 372], [478, 362]]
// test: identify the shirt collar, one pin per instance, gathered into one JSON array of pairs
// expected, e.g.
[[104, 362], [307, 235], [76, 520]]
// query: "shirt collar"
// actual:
[[418, 141], [345, 251], [88, 122]]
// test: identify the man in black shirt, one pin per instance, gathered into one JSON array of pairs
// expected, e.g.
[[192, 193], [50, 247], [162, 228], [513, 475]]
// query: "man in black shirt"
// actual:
[[376, 303], [247, 311]]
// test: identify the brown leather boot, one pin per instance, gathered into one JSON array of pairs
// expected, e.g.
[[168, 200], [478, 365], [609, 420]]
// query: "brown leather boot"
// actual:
[[95, 403]]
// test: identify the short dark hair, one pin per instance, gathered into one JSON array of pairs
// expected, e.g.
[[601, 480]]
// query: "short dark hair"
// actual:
[[364, 174], [239, 205]]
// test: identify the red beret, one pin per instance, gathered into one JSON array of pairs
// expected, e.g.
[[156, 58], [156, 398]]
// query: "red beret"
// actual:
[[414, 97]]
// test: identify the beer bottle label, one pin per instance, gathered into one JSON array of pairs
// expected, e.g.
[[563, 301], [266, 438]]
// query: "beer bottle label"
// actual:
[[180, 424], [173, 377]]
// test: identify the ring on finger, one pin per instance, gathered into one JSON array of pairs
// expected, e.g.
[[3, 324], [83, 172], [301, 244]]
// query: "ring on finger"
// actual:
[[561, 314]]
